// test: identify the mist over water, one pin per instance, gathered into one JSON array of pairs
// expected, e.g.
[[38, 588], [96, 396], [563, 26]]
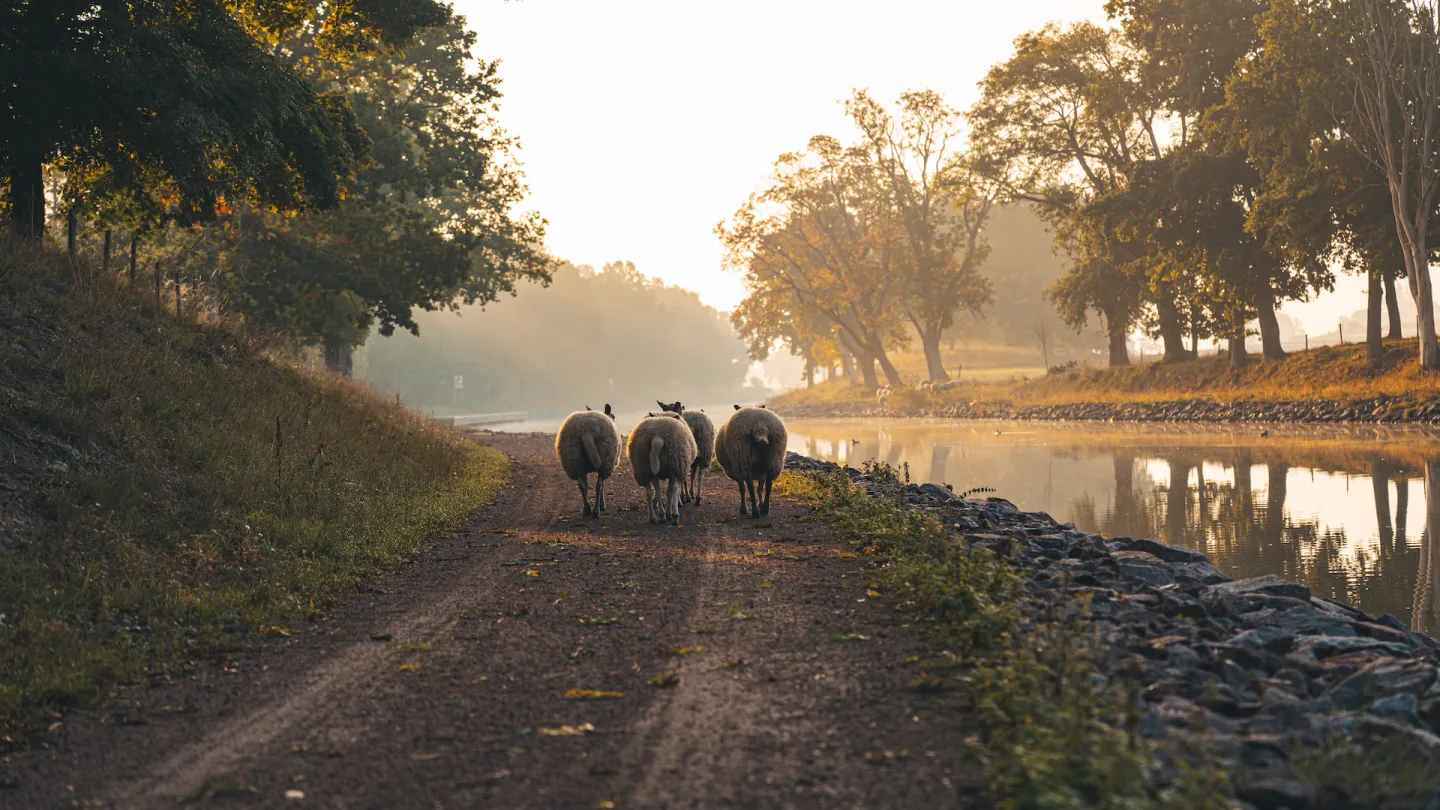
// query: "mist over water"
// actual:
[[1343, 510]]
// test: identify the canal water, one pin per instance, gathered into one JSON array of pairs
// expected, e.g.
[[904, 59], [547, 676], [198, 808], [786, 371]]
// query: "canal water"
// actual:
[[1340, 509]]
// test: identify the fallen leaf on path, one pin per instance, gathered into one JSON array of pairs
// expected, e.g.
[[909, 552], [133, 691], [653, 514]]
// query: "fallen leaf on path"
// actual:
[[846, 555], [849, 637], [408, 668], [703, 630], [736, 664], [531, 572], [736, 614], [766, 585], [872, 592], [295, 795], [764, 554], [568, 731], [277, 630], [684, 650], [592, 694], [606, 804], [665, 680]]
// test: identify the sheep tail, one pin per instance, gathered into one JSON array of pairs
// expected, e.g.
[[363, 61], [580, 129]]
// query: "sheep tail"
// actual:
[[591, 452], [762, 437], [656, 445]]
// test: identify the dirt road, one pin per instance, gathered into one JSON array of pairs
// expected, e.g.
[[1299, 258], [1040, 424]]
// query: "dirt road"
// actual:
[[778, 680]]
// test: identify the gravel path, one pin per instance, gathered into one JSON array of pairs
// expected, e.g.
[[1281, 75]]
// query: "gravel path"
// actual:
[[444, 686]]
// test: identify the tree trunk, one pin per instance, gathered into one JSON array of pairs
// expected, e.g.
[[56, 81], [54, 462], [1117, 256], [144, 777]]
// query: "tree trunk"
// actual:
[[72, 232], [892, 374], [1119, 352], [1238, 355], [809, 376], [1269, 326], [1417, 271], [934, 364], [847, 362], [1392, 307], [339, 358], [867, 370], [1172, 332], [27, 198], [1374, 311], [1402, 507], [1176, 503]]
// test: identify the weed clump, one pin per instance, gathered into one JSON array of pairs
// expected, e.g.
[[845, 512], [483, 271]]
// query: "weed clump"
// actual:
[[1057, 729]]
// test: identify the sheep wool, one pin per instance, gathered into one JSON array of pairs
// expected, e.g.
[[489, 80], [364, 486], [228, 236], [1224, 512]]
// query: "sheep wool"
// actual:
[[661, 449], [589, 443]]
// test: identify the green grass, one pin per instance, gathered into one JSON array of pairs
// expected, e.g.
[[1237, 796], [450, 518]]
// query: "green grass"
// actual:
[[1054, 733], [172, 489]]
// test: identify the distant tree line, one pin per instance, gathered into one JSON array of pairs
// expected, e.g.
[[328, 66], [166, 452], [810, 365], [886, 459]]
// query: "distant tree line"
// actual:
[[1198, 162], [320, 168]]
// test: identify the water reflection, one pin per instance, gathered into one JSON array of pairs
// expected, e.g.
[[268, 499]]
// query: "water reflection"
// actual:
[[1329, 507]]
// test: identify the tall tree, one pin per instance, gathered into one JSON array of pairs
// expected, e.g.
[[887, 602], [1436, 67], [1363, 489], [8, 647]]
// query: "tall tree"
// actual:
[[823, 234], [1071, 116], [1394, 61], [942, 203], [190, 92]]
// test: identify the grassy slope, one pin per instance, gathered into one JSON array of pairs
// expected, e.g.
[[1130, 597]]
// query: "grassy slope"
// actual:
[[1326, 373], [167, 489]]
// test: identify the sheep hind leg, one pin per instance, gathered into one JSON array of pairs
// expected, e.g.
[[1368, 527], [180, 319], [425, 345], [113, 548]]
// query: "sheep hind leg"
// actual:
[[699, 483], [765, 504], [672, 498], [582, 482], [599, 495], [742, 497], [657, 501], [754, 503]]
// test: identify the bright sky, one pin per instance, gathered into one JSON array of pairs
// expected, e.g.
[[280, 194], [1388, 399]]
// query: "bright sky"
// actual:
[[644, 123]]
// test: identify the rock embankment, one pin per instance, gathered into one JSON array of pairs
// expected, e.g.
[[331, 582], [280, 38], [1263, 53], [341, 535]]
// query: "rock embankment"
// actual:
[[1379, 409], [1249, 671]]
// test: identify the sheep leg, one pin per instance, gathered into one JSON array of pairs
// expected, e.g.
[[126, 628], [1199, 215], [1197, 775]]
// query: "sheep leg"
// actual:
[[582, 482], [672, 506], [699, 483], [765, 505], [754, 504], [742, 497], [652, 498], [599, 495]]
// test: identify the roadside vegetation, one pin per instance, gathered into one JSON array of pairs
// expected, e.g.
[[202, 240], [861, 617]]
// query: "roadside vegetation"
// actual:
[[171, 488], [1054, 731]]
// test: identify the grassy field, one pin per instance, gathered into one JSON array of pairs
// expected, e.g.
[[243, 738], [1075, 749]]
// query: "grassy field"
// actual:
[[170, 489], [1326, 373]]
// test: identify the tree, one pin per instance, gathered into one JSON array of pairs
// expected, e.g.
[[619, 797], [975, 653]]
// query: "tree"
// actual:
[[1318, 200], [1394, 62], [823, 234], [1070, 117], [428, 222], [942, 203], [190, 94]]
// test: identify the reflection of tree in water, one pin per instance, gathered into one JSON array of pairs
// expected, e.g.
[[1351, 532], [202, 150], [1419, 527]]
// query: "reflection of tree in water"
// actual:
[[1248, 536]]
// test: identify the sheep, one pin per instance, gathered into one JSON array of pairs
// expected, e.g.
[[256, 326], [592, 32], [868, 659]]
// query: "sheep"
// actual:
[[588, 442], [661, 448], [751, 449], [704, 432]]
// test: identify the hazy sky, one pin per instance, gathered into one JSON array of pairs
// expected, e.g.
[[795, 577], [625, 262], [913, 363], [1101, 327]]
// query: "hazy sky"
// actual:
[[644, 123]]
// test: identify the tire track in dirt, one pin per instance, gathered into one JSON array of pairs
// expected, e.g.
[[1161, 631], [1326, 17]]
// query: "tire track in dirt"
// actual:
[[465, 705]]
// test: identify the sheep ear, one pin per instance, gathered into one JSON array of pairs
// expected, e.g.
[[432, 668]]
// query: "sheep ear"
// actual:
[[661, 404], [737, 407], [588, 408]]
